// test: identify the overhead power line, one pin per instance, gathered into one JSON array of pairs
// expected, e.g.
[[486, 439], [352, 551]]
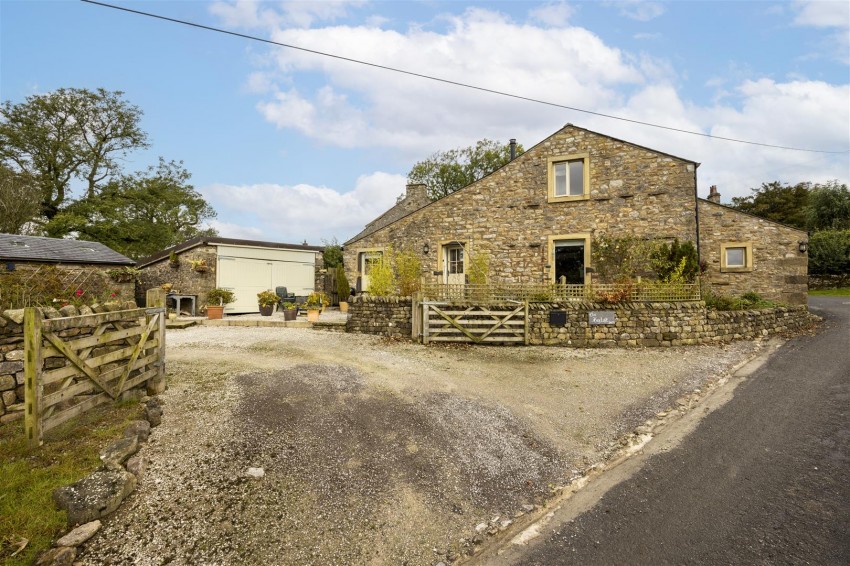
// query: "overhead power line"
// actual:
[[454, 83]]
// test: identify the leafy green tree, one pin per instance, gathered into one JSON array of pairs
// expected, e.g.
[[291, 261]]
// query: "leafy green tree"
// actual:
[[829, 252], [447, 171], [20, 202], [332, 255], [139, 214], [828, 207], [66, 136], [777, 202]]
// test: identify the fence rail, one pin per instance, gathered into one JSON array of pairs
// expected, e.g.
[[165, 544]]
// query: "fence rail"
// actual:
[[46, 285], [122, 350], [553, 292]]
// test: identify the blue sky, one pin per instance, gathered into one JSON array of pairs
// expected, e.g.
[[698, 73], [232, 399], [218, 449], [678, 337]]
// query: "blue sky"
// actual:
[[289, 146]]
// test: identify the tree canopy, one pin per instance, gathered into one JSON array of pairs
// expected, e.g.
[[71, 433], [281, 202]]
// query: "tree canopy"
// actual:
[[69, 135], [828, 207], [777, 202], [141, 213], [19, 201], [447, 171]]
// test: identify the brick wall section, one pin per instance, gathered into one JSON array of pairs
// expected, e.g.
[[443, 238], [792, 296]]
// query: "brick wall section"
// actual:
[[12, 353], [779, 268], [633, 191], [385, 316], [183, 278], [637, 324]]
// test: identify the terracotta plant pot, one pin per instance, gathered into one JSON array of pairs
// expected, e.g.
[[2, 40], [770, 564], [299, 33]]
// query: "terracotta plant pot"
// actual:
[[313, 315], [290, 314], [266, 310], [215, 312], [343, 306]]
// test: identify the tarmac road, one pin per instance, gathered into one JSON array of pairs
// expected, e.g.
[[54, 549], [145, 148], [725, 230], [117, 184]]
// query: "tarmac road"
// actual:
[[763, 479]]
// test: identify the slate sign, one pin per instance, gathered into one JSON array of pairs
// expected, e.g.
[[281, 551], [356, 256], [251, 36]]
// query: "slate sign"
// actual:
[[598, 318], [557, 318]]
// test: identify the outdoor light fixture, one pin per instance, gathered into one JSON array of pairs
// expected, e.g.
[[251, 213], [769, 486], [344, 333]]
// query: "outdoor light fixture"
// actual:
[[804, 246], [425, 249]]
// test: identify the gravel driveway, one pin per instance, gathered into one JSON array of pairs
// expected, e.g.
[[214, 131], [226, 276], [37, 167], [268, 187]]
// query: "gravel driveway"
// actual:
[[374, 452]]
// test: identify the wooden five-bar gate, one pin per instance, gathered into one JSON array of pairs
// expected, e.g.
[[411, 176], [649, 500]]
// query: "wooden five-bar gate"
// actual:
[[505, 323], [122, 350]]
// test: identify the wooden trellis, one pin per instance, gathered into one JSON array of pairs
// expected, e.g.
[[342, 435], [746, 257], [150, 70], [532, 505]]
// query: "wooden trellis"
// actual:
[[125, 349], [478, 324]]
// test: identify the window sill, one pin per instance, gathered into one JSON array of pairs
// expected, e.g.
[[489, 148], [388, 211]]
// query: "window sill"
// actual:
[[568, 199]]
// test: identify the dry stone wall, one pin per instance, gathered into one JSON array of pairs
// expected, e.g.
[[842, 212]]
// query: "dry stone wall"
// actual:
[[779, 270], [506, 215], [634, 324], [385, 316]]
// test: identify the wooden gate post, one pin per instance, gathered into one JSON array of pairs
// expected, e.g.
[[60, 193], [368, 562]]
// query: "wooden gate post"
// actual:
[[155, 298], [156, 385], [33, 387]]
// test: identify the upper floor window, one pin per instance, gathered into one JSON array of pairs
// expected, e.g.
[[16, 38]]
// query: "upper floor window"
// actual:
[[568, 178]]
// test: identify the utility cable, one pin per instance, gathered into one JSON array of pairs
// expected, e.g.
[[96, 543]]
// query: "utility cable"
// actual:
[[451, 82]]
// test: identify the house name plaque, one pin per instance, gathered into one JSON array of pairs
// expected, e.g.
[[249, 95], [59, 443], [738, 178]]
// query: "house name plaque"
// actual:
[[598, 318]]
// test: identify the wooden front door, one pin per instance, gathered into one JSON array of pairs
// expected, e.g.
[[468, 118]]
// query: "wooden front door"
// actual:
[[367, 261], [453, 267], [569, 262]]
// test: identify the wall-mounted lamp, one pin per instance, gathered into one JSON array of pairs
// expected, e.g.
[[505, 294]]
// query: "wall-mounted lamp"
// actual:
[[426, 249], [804, 246]]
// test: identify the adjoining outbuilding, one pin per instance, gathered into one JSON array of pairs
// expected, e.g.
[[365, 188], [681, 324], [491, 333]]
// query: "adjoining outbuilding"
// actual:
[[35, 269], [246, 267]]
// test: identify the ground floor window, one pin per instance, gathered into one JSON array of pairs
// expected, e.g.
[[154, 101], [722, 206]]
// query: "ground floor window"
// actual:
[[736, 256]]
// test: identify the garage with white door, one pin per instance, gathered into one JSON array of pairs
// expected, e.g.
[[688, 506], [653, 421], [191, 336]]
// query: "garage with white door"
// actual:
[[247, 270]]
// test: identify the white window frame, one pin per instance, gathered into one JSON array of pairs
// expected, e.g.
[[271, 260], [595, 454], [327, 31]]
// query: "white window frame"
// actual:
[[572, 193]]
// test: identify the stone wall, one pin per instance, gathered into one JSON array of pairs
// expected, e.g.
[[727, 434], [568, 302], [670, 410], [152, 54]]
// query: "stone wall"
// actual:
[[636, 324], [779, 269], [506, 215], [64, 282], [385, 316], [12, 352], [184, 278]]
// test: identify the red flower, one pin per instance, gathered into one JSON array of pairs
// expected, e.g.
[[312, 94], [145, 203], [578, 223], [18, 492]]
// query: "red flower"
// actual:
[[79, 292]]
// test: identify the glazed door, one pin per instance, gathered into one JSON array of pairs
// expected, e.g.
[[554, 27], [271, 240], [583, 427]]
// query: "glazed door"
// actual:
[[569, 261], [453, 267]]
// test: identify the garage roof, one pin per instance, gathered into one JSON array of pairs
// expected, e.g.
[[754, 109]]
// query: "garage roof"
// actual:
[[56, 250], [215, 240]]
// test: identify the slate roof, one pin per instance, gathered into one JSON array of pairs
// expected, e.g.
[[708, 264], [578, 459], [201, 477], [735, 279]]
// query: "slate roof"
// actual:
[[214, 240], [56, 250]]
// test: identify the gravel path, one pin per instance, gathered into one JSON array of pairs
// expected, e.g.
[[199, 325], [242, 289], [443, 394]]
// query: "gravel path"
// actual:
[[373, 451]]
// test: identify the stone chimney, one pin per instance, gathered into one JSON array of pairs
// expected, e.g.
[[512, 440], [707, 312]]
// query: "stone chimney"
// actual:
[[713, 195], [417, 193]]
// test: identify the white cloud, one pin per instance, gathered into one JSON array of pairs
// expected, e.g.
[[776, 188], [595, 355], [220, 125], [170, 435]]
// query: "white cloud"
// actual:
[[293, 213], [299, 13], [823, 13], [555, 14], [640, 10], [646, 36]]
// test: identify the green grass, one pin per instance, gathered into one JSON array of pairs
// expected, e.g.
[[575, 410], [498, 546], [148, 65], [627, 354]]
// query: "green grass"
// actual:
[[29, 476], [842, 292]]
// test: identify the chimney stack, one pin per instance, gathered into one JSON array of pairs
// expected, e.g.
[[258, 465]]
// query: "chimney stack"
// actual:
[[513, 149], [713, 195]]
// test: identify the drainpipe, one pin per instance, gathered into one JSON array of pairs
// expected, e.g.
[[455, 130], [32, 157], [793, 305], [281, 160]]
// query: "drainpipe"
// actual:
[[513, 149], [696, 213]]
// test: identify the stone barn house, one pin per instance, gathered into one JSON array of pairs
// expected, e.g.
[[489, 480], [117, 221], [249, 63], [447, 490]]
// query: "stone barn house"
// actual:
[[34, 269], [537, 218], [245, 267]]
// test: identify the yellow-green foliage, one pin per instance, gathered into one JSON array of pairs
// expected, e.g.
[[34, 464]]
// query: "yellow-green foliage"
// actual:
[[408, 268], [479, 267], [382, 280]]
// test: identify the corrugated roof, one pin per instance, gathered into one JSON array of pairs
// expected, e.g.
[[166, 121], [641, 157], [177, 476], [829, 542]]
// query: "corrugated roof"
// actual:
[[56, 250]]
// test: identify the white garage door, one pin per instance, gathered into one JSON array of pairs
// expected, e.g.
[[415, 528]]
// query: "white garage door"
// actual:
[[246, 277]]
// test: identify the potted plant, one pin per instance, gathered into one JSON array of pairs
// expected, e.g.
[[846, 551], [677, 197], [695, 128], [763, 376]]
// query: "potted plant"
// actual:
[[216, 299], [267, 300], [173, 260], [343, 290], [313, 304], [199, 265], [290, 311]]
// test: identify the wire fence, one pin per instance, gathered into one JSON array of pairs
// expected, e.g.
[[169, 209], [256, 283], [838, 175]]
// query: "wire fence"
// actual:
[[635, 291]]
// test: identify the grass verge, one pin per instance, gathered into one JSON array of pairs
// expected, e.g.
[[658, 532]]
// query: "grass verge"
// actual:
[[29, 476], [842, 292]]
